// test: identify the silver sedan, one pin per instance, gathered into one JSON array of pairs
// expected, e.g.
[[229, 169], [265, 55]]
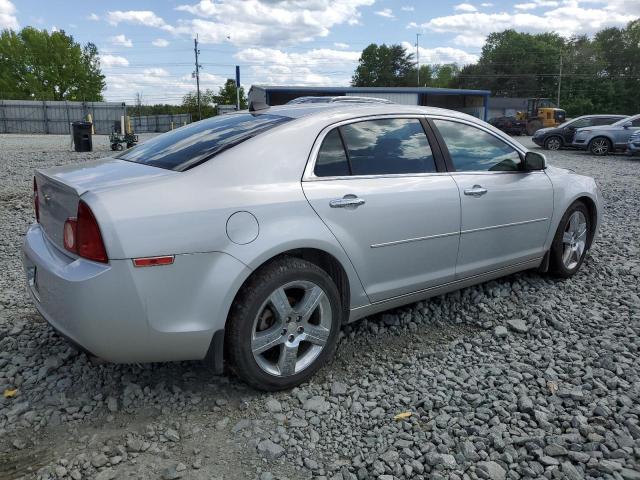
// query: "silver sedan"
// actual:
[[250, 238]]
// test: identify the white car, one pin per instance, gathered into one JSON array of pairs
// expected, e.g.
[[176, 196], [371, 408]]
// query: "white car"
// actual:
[[250, 238]]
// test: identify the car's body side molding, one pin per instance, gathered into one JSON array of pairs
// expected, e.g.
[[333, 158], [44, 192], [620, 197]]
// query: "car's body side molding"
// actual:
[[361, 312]]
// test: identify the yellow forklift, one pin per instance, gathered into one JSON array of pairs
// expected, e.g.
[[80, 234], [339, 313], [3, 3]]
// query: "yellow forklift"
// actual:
[[541, 113]]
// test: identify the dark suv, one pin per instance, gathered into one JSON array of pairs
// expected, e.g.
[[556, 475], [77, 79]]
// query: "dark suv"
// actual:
[[561, 136]]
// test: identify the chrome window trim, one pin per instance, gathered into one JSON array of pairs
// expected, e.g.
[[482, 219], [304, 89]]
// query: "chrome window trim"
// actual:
[[310, 176]]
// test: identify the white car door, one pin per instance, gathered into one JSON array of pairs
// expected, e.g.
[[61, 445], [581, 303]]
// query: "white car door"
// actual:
[[376, 184], [506, 212]]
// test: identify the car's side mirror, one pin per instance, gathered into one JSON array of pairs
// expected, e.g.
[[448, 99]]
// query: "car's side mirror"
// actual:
[[627, 125], [534, 161]]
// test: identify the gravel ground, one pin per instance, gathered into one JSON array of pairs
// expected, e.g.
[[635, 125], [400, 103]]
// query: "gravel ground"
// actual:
[[524, 377]]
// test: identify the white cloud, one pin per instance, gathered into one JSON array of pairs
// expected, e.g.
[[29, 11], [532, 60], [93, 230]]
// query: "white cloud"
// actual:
[[469, 40], [486, 4], [525, 6], [93, 17], [138, 17], [267, 23], [341, 45], [385, 12], [314, 67], [7, 15], [160, 42], [156, 85], [568, 19], [439, 55], [407, 8], [108, 61], [121, 40], [465, 7]]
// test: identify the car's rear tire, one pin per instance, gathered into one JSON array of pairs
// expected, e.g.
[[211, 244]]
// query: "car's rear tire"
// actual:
[[553, 143], [600, 146], [570, 242], [283, 325]]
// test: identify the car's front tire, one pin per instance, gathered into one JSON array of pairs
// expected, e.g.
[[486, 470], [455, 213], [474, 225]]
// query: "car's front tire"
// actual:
[[600, 146], [553, 143], [571, 240], [284, 324]]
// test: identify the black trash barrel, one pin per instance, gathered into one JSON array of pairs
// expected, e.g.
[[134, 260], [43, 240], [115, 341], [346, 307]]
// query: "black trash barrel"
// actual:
[[82, 140]]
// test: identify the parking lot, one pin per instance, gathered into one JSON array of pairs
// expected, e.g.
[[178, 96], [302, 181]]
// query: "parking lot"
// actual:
[[432, 390]]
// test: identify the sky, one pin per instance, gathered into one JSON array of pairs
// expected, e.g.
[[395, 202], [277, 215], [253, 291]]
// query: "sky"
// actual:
[[146, 47]]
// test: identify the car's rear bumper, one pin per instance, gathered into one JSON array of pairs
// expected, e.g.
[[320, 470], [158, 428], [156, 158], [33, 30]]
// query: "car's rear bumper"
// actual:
[[126, 314], [633, 147]]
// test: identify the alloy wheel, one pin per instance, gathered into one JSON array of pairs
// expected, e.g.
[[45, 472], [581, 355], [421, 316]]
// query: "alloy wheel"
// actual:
[[600, 146], [553, 143], [574, 240], [291, 328]]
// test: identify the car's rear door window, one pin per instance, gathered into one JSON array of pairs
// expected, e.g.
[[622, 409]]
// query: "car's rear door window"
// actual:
[[194, 144], [388, 146], [332, 159], [474, 150]]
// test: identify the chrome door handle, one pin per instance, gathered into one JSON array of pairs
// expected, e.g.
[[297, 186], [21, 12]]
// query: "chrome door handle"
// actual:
[[475, 191], [348, 201]]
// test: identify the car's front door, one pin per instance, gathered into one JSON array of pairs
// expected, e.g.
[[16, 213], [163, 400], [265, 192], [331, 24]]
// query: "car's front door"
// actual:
[[505, 212], [569, 131], [382, 190]]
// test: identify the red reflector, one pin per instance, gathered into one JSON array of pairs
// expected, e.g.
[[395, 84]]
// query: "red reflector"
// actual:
[[153, 261]]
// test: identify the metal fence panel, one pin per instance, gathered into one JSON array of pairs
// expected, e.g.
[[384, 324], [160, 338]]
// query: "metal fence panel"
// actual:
[[26, 116], [159, 123]]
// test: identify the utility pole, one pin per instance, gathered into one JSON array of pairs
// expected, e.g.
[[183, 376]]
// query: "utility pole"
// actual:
[[418, 55], [197, 75], [559, 81], [238, 87]]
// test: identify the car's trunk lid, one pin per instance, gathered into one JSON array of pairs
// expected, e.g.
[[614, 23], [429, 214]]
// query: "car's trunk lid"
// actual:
[[60, 188]]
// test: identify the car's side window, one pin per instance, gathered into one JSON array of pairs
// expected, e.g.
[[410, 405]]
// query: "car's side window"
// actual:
[[332, 159], [636, 123], [583, 122], [601, 121], [388, 146], [473, 150]]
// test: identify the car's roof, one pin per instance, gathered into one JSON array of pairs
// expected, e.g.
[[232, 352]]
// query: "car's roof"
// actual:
[[357, 110], [608, 115]]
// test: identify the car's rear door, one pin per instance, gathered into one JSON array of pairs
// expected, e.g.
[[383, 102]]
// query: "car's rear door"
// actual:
[[506, 212], [379, 185]]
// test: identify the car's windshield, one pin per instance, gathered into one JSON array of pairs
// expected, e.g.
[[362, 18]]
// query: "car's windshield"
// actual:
[[192, 145]]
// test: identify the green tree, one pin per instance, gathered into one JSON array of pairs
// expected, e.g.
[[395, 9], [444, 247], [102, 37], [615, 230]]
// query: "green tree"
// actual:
[[385, 66], [36, 64], [444, 76], [599, 74], [514, 64], [227, 94], [207, 104]]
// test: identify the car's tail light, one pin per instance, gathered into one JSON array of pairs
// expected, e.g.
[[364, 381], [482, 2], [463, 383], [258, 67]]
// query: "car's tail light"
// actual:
[[36, 200], [82, 235]]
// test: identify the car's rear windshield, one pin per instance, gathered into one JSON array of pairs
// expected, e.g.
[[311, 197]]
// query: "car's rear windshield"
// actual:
[[194, 144]]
